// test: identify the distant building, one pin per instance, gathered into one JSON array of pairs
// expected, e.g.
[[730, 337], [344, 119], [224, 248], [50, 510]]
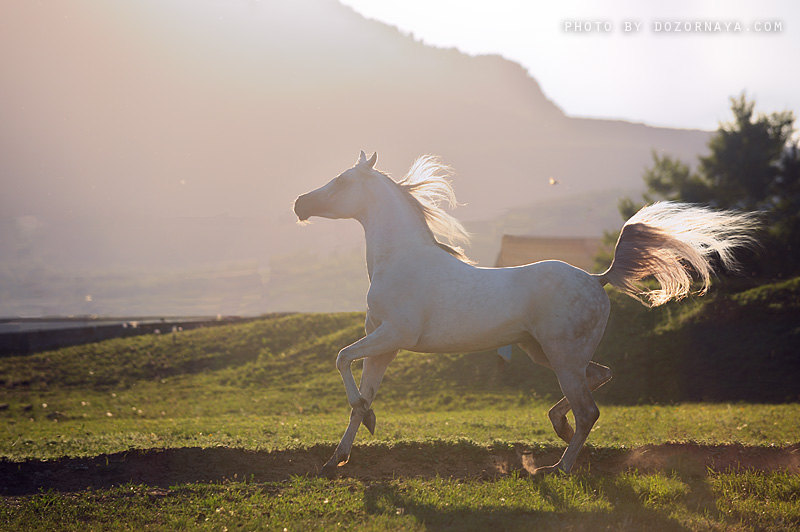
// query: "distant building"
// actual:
[[518, 250]]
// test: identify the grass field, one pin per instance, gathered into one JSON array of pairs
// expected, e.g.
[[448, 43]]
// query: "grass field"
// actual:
[[626, 501], [226, 427]]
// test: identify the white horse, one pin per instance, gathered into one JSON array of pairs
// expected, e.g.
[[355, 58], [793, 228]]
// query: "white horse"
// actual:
[[425, 296]]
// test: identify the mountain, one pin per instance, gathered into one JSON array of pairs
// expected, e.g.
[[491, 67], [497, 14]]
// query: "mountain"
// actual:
[[173, 135]]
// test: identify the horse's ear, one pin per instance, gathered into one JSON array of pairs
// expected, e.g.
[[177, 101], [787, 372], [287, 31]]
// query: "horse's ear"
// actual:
[[362, 158], [372, 159]]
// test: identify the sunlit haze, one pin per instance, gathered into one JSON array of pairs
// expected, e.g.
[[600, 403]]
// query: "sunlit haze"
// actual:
[[151, 151]]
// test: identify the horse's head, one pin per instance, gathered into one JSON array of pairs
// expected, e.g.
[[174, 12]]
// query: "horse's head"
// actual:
[[345, 196]]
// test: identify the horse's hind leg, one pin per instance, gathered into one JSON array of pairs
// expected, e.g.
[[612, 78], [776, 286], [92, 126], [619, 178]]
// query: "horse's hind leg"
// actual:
[[596, 376], [576, 389], [560, 423], [371, 376]]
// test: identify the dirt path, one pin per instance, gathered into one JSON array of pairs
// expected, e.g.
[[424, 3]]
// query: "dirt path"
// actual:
[[165, 467]]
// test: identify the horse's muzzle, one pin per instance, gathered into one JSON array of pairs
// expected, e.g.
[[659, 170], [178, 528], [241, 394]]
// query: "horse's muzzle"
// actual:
[[302, 207]]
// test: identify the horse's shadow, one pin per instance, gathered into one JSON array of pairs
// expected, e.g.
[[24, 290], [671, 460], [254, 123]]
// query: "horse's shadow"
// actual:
[[612, 505]]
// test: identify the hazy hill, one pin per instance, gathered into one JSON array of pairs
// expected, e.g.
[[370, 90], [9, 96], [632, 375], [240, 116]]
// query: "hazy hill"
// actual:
[[173, 135]]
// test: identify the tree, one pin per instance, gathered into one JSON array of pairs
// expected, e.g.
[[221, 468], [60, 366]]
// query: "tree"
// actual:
[[671, 179], [747, 157]]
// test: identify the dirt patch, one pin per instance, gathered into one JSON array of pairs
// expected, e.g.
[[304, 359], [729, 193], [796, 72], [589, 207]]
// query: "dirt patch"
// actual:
[[166, 467]]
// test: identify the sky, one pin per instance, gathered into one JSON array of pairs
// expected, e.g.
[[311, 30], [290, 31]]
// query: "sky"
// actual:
[[655, 75]]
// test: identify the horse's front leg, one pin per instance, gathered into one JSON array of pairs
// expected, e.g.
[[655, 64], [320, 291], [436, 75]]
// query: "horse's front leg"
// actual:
[[373, 348], [371, 376], [384, 339]]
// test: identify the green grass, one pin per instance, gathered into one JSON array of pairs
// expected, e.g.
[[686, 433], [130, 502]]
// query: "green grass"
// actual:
[[627, 501], [619, 426], [272, 385]]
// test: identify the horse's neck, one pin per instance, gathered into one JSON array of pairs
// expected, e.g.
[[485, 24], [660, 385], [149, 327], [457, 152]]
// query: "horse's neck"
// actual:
[[392, 228]]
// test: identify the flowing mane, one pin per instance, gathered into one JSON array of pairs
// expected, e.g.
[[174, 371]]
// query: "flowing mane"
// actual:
[[427, 186]]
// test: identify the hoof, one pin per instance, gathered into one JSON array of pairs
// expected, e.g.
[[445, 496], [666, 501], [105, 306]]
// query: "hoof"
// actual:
[[331, 467], [328, 471], [548, 470], [369, 421]]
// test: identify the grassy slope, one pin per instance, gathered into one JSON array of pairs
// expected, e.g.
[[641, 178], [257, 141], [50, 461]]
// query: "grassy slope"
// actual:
[[272, 384], [733, 345], [729, 346]]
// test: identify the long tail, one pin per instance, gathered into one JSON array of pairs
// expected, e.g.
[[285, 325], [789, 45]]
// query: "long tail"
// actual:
[[668, 240]]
